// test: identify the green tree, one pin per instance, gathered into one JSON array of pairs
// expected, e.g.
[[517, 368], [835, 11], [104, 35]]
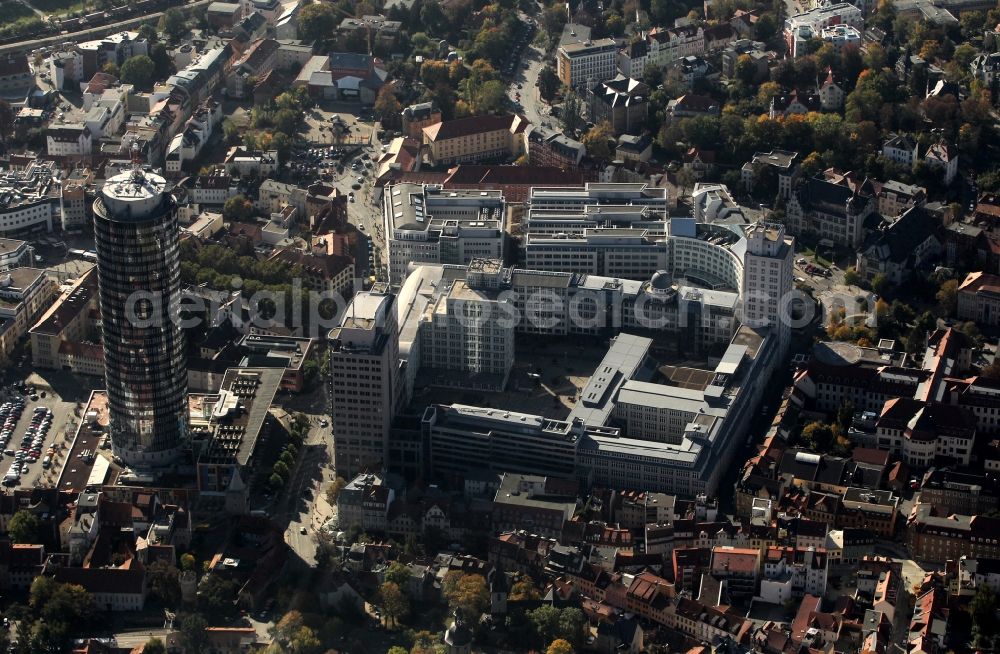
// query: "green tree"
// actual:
[[286, 120], [983, 609], [545, 620], [148, 32], [398, 574], [237, 208], [173, 23], [851, 277], [818, 436], [154, 646], [548, 83], [191, 628], [188, 561], [317, 21], [216, 595], [333, 490], [572, 112], [524, 589], [24, 528], [881, 284], [138, 70], [572, 625], [164, 585], [163, 65]]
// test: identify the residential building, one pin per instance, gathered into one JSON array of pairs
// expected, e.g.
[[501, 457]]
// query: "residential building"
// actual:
[[549, 147], [663, 46], [901, 149], [580, 65], [418, 116], [739, 567], [841, 36], [896, 197], [365, 502], [810, 24], [939, 539], [16, 77], [364, 382], [476, 138], [790, 573], [223, 15], [781, 162], [69, 141], [537, 504], [755, 50], [943, 157], [692, 104], [67, 325], [24, 293], [622, 102], [900, 248], [830, 211], [986, 68], [831, 92]]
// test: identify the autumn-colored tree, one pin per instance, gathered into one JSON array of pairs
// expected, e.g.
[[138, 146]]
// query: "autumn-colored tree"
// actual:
[[394, 603], [465, 591], [559, 646], [598, 141]]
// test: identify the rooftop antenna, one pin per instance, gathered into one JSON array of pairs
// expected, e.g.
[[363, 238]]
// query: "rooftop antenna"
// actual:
[[137, 176]]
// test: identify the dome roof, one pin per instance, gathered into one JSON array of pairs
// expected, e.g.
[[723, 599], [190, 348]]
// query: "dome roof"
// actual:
[[661, 280]]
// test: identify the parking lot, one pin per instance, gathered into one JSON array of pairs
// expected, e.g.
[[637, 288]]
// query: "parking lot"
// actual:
[[58, 435], [342, 150]]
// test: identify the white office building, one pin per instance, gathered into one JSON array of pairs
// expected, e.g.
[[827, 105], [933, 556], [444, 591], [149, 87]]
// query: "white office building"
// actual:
[[427, 224], [365, 389], [767, 286]]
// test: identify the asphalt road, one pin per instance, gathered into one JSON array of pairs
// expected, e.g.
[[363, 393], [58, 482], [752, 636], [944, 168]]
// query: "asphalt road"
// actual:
[[305, 489]]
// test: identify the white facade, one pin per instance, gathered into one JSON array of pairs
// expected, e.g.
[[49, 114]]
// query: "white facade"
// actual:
[[426, 224], [580, 63], [809, 24], [841, 36], [364, 386], [901, 149], [767, 285]]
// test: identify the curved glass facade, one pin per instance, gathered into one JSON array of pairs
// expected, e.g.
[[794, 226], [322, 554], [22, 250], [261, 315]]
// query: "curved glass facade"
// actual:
[[144, 352]]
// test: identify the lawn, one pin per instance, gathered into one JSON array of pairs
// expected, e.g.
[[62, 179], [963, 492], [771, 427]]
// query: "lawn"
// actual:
[[58, 7], [13, 15]]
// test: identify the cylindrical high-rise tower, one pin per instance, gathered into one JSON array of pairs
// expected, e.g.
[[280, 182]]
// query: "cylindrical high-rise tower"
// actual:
[[138, 267]]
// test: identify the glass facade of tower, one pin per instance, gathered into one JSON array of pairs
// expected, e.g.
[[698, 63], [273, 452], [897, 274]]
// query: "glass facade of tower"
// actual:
[[144, 351]]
